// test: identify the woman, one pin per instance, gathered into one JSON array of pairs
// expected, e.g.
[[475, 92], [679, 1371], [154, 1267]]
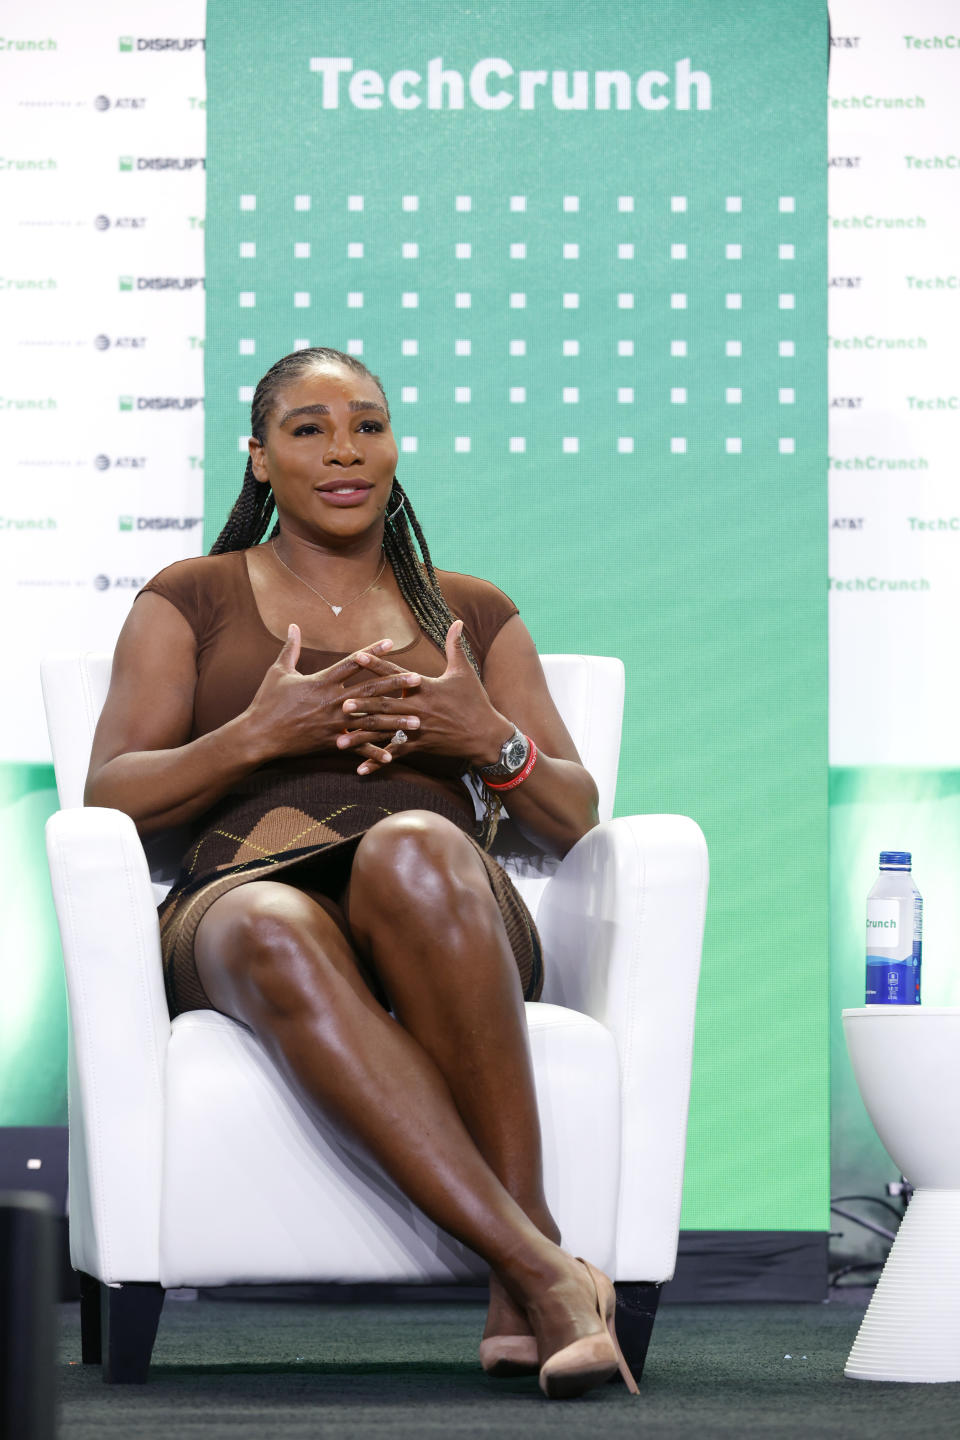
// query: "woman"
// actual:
[[333, 877]]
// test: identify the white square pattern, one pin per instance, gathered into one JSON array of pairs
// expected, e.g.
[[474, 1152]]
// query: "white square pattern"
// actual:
[[540, 302]]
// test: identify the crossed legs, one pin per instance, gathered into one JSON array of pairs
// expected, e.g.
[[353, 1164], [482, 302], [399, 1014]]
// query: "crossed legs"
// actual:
[[442, 1095]]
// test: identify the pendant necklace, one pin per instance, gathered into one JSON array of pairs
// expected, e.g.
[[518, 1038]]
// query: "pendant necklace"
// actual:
[[335, 608]]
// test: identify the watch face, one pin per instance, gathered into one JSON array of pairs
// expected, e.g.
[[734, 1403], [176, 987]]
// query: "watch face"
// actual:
[[515, 753]]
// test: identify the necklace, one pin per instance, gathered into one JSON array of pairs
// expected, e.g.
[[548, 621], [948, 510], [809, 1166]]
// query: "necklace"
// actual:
[[335, 608]]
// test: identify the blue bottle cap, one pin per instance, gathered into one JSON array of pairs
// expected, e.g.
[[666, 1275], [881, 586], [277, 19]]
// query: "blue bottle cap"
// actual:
[[895, 859]]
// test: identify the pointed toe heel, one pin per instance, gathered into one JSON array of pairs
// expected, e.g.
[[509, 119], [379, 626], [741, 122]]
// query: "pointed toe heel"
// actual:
[[593, 1359]]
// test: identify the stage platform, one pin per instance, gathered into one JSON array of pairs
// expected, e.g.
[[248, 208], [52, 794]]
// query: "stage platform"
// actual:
[[235, 1370]]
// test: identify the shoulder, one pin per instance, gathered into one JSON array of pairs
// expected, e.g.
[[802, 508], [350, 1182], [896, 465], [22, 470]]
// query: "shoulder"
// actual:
[[483, 608], [195, 585], [470, 591]]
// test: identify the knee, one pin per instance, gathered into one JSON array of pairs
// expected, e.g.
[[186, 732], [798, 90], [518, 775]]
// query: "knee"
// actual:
[[420, 857], [275, 968]]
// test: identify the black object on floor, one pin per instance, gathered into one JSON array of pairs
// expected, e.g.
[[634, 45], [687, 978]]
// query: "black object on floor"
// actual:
[[27, 1315]]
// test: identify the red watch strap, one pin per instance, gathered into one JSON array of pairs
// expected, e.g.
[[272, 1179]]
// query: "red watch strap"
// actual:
[[524, 773]]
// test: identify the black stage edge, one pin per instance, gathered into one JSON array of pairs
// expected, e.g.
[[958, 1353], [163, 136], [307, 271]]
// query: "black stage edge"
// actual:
[[732, 1265]]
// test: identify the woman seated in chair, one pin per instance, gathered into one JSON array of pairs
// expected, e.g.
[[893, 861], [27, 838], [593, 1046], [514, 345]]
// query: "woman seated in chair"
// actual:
[[333, 876]]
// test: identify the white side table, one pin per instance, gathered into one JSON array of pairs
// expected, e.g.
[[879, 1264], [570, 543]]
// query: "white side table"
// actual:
[[907, 1062]]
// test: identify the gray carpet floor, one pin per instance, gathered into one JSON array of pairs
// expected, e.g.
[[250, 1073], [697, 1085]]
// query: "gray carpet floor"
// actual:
[[281, 1371]]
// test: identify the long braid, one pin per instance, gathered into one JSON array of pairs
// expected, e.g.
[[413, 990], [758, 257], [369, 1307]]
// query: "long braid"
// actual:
[[419, 586], [416, 577]]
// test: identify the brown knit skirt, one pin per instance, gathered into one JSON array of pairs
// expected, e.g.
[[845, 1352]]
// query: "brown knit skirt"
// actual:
[[280, 819]]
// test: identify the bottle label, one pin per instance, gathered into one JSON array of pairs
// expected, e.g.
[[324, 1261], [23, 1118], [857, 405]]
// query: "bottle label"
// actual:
[[883, 925], [893, 982]]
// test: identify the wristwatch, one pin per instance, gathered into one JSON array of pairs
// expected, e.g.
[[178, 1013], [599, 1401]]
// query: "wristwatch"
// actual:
[[514, 753]]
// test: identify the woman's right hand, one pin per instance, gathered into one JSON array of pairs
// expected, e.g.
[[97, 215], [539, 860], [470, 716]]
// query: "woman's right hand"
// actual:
[[294, 714]]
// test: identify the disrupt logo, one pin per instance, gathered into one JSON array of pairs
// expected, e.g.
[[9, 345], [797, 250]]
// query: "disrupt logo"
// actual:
[[122, 342], [488, 87], [124, 582], [160, 282], [122, 462], [124, 102], [160, 402], [160, 522], [162, 162], [128, 44]]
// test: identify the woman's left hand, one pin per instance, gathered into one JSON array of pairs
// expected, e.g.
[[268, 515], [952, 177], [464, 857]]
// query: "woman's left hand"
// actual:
[[447, 715]]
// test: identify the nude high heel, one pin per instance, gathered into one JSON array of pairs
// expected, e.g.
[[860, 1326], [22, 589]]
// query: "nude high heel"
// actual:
[[503, 1356], [593, 1359]]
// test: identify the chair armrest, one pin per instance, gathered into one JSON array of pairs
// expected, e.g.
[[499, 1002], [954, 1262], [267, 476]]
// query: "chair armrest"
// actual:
[[622, 929], [119, 1029]]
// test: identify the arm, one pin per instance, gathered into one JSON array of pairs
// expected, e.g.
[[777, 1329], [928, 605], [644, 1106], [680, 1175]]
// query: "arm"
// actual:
[[557, 803], [143, 761]]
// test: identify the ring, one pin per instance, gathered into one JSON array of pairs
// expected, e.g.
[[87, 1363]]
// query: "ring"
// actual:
[[400, 737]]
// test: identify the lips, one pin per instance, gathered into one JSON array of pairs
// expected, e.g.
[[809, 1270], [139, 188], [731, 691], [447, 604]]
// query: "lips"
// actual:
[[344, 492]]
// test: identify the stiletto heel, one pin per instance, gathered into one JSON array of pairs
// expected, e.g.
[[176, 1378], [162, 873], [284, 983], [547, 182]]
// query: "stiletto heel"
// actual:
[[503, 1356], [593, 1359]]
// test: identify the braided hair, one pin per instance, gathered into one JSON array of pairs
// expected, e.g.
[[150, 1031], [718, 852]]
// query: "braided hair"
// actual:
[[416, 577]]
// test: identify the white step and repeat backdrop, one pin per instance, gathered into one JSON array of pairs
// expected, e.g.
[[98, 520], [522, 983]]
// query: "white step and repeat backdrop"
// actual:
[[102, 197]]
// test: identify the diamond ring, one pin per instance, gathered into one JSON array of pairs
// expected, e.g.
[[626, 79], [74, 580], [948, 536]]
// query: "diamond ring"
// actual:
[[400, 737]]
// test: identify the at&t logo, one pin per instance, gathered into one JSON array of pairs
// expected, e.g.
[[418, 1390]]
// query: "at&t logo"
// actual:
[[122, 462]]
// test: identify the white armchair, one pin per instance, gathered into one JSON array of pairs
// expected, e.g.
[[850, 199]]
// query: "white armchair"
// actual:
[[191, 1161]]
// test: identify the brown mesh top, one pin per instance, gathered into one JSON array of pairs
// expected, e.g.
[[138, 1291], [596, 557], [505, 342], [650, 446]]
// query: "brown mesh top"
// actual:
[[235, 649]]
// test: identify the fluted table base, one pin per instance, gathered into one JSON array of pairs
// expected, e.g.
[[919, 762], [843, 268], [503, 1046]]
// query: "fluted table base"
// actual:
[[911, 1331]]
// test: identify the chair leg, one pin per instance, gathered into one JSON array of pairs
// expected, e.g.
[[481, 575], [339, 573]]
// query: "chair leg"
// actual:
[[90, 1342], [129, 1316], [637, 1303]]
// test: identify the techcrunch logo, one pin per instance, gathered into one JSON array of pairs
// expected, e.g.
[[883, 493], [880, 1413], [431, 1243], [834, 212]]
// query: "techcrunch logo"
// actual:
[[939, 402], [874, 583], [18, 522], [8, 162], [876, 342], [877, 222], [486, 84], [932, 162], [877, 102], [932, 42], [878, 462], [933, 282], [940, 523], [31, 282], [18, 402], [6, 44]]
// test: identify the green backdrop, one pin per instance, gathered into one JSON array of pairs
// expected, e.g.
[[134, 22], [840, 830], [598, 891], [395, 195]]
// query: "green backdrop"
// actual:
[[603, 334]]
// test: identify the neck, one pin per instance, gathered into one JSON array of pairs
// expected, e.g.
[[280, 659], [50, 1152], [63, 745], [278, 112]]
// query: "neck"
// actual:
[[354, 555]]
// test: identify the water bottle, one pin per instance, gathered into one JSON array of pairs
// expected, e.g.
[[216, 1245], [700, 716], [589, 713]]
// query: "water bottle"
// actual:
[[894, 933]]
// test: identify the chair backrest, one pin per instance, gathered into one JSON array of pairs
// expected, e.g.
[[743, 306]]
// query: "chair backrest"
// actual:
[[586, 689]]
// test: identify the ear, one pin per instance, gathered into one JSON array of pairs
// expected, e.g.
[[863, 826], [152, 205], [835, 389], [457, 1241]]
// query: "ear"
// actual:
[[258, 459]]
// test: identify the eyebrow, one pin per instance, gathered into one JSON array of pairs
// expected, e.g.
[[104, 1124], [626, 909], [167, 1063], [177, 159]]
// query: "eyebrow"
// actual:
[[354, 406]]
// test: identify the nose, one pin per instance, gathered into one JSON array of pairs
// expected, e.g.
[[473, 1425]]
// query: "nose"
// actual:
[[342, 449]]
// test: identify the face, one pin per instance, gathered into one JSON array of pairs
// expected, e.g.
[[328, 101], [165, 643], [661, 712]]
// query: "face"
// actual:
[[329, 454]]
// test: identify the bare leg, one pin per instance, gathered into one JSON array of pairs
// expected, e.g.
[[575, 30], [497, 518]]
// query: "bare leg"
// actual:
[[421, 909], [271, 957]]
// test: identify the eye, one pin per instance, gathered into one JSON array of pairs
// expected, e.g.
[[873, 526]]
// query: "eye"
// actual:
[[373, 426], [309, 428]]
